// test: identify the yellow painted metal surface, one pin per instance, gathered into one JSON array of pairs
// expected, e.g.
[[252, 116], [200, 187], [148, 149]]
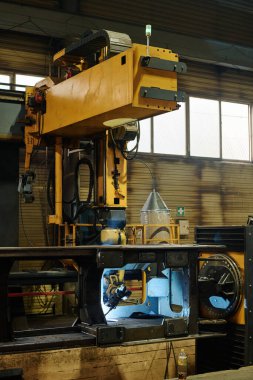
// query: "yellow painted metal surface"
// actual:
[[106, 192], [57, 218], [31, 132], [239, 316], [80, 105], [75, 104], [146, 77], [137, 233], [113, 236]]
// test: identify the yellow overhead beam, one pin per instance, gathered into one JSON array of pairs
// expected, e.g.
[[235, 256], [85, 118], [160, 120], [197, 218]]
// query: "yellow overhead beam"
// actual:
[[113, 89]]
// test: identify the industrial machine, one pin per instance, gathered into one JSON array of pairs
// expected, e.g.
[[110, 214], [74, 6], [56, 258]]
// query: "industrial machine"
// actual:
[[225, 293], [125, 293], [89, 117]]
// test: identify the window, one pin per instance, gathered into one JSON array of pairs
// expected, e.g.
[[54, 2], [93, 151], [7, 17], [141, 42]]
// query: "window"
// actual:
[[204, 128], [5, 79], [170, 132], [235, 131], [145, 137], [26, 80]]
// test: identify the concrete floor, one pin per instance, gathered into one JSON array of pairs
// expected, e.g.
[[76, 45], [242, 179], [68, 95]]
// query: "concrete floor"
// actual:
[[244, 373]]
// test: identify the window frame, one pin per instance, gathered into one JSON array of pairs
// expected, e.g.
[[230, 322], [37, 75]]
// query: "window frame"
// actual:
[[187, 133]]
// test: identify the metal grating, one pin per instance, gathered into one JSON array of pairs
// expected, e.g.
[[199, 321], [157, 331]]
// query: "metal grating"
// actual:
[[232, 237]]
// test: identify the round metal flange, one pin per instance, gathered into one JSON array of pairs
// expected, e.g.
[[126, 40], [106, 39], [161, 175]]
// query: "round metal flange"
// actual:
[[220, 286]]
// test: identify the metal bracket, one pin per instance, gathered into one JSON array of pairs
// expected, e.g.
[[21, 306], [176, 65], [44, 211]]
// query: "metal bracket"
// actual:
[[105, 334], [147, 257], [107, 259], [175, 327], [161, 94], [177, 259], [163, 64]]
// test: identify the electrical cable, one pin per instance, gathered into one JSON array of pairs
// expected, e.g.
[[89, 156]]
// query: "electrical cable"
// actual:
[[81, 206], [109, 311], [84, 161], [150, 172], [174, 355], [168, 351], [127, 154]]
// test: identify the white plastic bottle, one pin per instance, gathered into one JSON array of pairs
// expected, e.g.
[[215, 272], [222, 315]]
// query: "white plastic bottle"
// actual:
[[182, 365]]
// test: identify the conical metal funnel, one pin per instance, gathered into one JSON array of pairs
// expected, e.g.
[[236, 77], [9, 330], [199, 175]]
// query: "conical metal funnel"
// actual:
[[154, 202], [156, 216]]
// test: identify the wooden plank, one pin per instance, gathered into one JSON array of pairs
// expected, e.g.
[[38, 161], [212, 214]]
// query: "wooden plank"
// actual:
[[122, 362]]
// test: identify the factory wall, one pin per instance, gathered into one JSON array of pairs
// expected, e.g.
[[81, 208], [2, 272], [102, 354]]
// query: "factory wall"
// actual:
[[212, 192]]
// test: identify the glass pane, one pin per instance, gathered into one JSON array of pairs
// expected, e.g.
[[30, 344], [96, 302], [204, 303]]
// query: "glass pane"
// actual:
[[4, 79], [145, 137], [27, 80], [235, 131], [204, 128], [169, 132]]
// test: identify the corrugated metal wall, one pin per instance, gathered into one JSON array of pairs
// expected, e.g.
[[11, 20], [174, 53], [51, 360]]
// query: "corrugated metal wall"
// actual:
[[33, 227], [24, 53], [212, 192], [218, 82]]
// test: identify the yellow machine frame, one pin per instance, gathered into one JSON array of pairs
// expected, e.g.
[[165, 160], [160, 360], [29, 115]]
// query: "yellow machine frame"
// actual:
[[94, 102], [81, 105]]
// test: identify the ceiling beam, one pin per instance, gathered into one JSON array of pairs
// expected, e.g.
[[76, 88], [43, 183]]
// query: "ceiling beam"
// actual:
[[71, 6], [69, 26]]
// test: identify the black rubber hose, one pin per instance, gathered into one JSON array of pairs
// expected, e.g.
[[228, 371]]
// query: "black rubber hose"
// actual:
[[84, 161]]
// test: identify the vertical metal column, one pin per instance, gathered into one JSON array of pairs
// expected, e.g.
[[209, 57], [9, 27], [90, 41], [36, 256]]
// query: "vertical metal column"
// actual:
[[248, 272], [89, 293], [58, 180], [5, 319], [193, 292]]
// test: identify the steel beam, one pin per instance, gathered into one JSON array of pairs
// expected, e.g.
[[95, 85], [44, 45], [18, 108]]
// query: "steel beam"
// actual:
[[63, 24]]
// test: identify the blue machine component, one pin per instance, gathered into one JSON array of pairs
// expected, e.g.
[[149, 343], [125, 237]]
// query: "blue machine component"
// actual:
[[166, 295], [106, 217], [115, 218], [91, 234]]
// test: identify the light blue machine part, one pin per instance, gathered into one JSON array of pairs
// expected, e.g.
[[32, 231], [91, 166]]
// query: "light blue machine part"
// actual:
[[167, 296]]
